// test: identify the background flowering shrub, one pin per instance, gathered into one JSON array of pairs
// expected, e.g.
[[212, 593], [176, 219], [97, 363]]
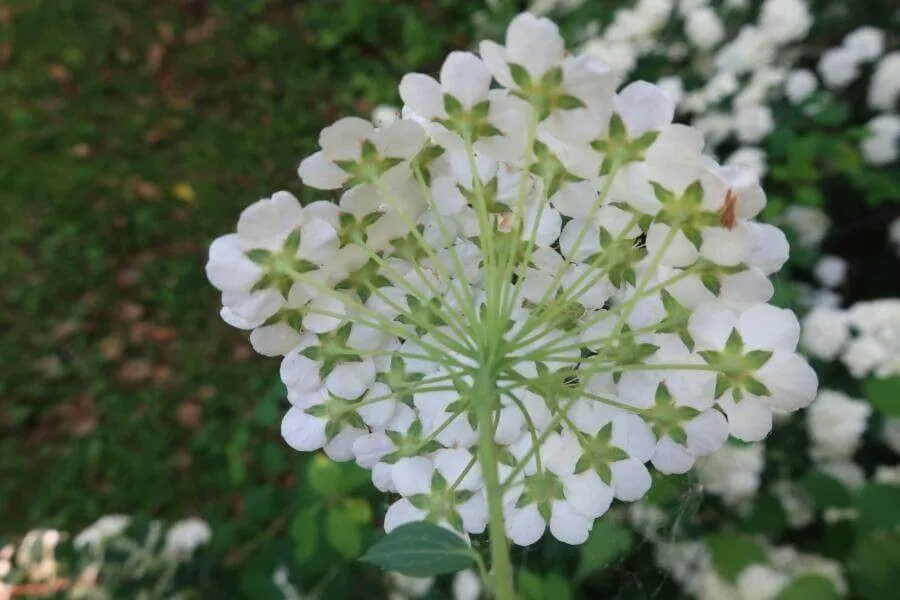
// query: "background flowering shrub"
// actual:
[[128, 396]]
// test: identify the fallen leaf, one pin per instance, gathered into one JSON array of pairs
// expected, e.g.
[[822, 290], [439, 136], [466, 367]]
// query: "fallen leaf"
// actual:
[[81, 150], [50, 366], [59, 73], [184, 192], [64, 330], [146, 190], [241, 353], [6, 49], [134, 371], [112, 347], [190, 415], [130, 311], [163, 374], [162, 335], [127, 277], [156, 53], [202, 32]]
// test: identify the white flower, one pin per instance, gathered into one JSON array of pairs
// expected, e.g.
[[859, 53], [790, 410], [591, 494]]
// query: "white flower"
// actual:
[[838, 67], [753, 123], [733, 472], [831, 271], [383, 115], [825, 332], [102, 529], [867, 43], [750, 158], [883, 144], [746, 52], [704, 28], [810, 223], [410, 587], [799, 85], [836, 423], [784, 20], [761, 582], [184, 537], [466, 585], [532, 261], [884, 87]]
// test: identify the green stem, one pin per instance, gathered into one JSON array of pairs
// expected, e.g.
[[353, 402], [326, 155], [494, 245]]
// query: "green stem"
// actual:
[[485, 398]]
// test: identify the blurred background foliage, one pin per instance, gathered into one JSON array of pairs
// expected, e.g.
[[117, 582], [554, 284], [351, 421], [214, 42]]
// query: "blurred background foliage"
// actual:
[[133, 132]]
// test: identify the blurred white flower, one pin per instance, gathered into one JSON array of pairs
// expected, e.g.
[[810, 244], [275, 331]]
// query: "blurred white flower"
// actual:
[[733, 472], [799, 84], [185, 536], [102, 529], [836, 423], [867, 43], [884, 86], [831, 270], [810, 222], [838, 67], [825, 332]]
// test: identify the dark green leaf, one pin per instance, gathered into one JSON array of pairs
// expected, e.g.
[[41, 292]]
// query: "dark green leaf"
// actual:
[[607, 541], [420, 549], [732, 553], [884, 394], [809, 587]]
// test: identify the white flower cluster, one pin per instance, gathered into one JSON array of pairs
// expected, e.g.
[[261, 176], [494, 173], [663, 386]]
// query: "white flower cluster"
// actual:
[[689, 562], [743, 71], [866, 337], [767, 581], [546, 279], [734, 472], [836, 423]]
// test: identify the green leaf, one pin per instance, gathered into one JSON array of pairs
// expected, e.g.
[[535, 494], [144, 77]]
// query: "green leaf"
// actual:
[[875, 566], [767, 516], [531, 586], [324, 475], [420, 549], [809, 587], [878, 506], [556, 587], [825, 491], [343, 533], [305, 533], [884, 394], [732, 553], [607, 541]]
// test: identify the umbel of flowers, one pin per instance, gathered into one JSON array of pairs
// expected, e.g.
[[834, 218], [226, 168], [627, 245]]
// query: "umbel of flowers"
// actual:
[[531, 287]]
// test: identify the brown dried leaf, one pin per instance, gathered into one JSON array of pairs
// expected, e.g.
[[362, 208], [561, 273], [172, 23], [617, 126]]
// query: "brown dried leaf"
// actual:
[[190, 415], [112, 347], [6, 50], [59, 73], [156, 53], [202, 32], [81, 150], [134, 371], [162, 335], [130, 311], [50, 366]]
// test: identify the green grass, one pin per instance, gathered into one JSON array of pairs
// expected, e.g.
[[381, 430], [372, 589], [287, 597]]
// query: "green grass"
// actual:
[[132, 133]]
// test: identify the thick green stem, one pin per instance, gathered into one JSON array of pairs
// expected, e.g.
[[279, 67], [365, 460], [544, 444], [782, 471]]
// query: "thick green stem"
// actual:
[[485, 399]]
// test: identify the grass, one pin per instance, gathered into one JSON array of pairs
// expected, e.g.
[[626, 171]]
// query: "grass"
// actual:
[[133, 133]]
